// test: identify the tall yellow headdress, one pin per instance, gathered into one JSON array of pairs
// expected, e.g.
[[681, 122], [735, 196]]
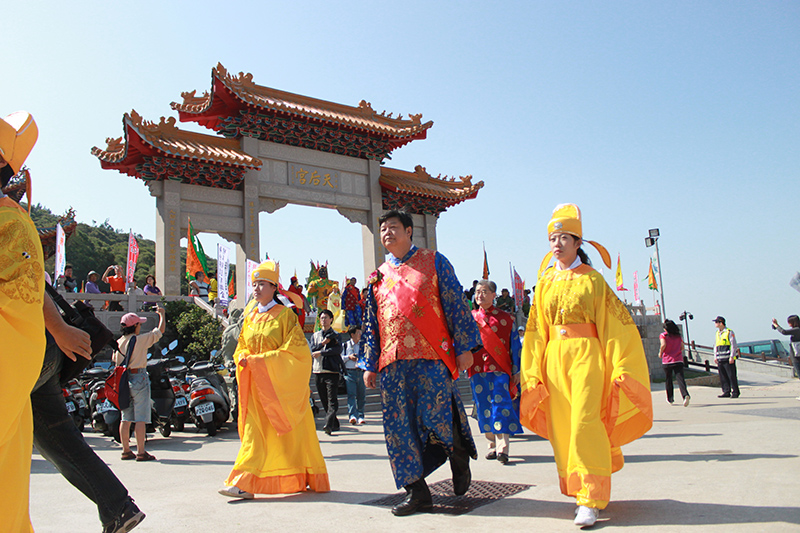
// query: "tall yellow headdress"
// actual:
[[567, 219], [268, 270]]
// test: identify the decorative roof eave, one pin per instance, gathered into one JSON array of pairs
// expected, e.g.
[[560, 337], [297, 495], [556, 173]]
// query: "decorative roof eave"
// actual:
[[420, 183], [48, 235], [230, 94], [144, 138]]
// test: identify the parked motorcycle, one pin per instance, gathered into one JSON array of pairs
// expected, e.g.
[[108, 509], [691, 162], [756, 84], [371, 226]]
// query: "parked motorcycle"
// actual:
[[105, 416], [75, 403], [162, 395], [177, 378], [209, 404]]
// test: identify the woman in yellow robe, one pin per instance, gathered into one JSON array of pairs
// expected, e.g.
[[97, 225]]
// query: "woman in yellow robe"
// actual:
[[585, 381], [21, 326], [280, 451]]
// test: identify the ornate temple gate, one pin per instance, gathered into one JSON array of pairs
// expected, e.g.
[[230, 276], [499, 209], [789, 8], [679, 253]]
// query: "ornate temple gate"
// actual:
[[275, 148]]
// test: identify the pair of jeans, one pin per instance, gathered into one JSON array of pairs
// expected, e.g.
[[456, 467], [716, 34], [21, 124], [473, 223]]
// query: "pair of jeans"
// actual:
[[59, 441], [328, 390], [356, 392], [678, 369]]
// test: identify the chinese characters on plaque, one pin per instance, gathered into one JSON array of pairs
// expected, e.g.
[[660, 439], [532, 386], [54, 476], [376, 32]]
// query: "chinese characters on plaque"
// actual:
[[313, 177]]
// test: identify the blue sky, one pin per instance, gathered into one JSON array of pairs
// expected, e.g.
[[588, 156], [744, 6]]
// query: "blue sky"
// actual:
[[682, 116]]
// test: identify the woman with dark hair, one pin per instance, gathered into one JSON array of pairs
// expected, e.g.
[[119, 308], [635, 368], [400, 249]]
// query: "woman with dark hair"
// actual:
[[671, 354], [280, 453], [794, 340], [585, 381], [150, 289]]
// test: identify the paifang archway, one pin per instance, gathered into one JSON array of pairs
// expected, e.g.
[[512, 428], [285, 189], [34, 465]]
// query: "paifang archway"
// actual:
[[273, 148]]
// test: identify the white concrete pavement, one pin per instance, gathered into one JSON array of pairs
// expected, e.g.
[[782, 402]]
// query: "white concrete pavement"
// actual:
[[718, 465]]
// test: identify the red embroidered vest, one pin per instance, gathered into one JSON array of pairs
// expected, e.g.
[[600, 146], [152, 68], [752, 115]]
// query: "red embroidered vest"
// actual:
[[400, 338], [496, 327]]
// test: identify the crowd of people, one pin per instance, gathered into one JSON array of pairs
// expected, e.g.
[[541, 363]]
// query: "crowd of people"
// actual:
[[576, 374]]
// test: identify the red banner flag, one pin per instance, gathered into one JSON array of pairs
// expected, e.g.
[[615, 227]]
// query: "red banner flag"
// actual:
[[519, 288], [485, 264], [133, 256]]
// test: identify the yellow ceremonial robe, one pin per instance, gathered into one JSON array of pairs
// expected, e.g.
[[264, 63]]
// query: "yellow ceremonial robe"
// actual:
[[585, 381], [280, 451], [22, 332]]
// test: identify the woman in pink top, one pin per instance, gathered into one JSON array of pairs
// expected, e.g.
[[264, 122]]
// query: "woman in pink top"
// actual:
[[671, 353]]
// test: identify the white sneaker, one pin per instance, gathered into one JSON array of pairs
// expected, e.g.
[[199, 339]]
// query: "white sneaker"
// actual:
[[236, 492], [586, 516], [361, 421], [686, 401], [669, 402]]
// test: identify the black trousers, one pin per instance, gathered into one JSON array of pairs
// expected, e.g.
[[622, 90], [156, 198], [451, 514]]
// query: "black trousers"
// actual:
[[727, 377], [61, 443], [677, 368], [328, 390]]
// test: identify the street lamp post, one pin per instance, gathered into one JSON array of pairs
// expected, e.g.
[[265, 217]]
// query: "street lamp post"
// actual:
[[648, 242], [686, 317]]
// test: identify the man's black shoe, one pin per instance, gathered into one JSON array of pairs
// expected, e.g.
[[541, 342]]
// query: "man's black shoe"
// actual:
[[734, 395], [130, 518], [726, 395], [503, 458], [461, 474], [492, 455], [418, 500]]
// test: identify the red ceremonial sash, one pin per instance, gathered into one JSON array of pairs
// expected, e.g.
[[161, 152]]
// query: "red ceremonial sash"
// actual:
[[493, 344], [413, 305]]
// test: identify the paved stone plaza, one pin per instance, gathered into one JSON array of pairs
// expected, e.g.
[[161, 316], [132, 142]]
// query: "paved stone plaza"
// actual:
[[718, 465]]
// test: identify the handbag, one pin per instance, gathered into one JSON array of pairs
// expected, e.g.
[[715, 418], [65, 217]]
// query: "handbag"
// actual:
[[81, 316], [118, 390]]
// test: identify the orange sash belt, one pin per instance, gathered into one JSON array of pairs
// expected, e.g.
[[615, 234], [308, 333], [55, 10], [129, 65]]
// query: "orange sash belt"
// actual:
[[413, 305], [573, 331]]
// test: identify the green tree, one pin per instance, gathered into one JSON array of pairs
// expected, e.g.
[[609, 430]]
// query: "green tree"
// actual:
[[197, 332]]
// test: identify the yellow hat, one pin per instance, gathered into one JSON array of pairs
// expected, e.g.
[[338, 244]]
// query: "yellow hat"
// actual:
[[18, 134], [566, 219], [268, 270]]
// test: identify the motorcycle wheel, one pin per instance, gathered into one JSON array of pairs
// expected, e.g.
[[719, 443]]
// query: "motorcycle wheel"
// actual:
[[165, 430], [211, 428], [80, 423], [178, 425]]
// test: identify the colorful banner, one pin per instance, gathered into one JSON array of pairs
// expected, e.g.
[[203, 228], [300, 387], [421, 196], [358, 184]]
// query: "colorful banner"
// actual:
[[223, 267], [656, 266], [651, 278], [249, 267], [195, 256], [636, 288], [231, 286], [519, 287], [485, 264], [133, 256], [620, 285], [61, 249]]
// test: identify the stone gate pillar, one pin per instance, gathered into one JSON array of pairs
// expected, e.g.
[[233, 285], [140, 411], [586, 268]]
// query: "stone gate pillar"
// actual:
[[168, 235], [370, 232], [249, 246]]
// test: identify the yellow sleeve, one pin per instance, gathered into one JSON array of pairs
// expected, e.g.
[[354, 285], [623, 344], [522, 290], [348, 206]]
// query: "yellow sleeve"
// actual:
[[281, 375], [629, 406], [532, 366], [21, 316]]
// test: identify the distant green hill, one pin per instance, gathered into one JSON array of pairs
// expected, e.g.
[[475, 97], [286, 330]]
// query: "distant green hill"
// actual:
[[95, 247]]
